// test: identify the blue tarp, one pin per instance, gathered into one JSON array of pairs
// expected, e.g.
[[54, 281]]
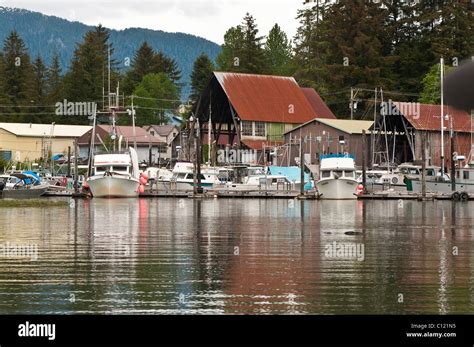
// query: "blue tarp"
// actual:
[[58, 157], [293, 173], [37, 179]]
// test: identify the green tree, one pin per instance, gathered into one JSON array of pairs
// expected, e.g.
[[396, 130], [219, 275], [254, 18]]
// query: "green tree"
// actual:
[[142, 64], [278, 52], [229, 58], [242, 50], [202, 72], [155, 94], [18, 74], [89, 69], [39, 90], [431, 93], [54, 81], [147, 61], [4, 100]]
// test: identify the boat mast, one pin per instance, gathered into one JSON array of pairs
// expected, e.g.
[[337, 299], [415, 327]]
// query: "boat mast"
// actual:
[[442, 115]]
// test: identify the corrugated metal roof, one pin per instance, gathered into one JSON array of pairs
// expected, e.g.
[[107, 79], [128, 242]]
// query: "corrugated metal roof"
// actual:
[[266, 98], [318, 104], [162, 130], [142, 136], [345, 125], [40, 130], [428, 117]]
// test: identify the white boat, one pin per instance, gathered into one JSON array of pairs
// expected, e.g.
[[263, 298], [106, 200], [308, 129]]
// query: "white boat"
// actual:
[[464, 182], [115, 175], [182, 177], [337, 178], [22, 185]]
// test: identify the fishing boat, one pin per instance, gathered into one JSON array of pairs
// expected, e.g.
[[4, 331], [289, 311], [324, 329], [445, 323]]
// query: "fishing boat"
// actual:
[[337, 177], [23, 185], [115, 175], [463, 183]]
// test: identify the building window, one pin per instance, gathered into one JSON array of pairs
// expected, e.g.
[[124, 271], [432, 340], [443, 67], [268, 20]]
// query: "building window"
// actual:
[[162, 148], [152, 133], [247, 128], [260, 129]]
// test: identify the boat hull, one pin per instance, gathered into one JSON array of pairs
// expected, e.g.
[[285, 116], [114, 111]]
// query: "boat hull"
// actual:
[[337, 189], [441, 187], [23, 193], [113, 187]]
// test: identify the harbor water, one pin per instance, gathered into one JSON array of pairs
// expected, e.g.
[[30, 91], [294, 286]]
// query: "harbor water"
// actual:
[[238, 256]]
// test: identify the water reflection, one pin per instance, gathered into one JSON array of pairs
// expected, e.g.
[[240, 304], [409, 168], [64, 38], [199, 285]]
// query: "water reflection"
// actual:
[[239, 256]]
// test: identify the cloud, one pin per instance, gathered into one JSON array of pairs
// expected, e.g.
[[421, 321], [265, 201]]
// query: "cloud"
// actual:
[[205, 18]]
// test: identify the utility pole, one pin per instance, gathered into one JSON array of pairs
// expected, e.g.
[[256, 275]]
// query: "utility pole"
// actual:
[[69, 161], [352, 103], [364, 163], [442, 115], [133, 127], [423, 165], [453, 164], [302, 167]]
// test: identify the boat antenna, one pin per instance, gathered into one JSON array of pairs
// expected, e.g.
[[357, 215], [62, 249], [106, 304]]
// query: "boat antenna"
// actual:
[[442, 115]]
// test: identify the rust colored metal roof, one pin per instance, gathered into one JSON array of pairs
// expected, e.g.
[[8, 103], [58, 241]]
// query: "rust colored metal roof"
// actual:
[[318, 104], [428, 117], [266, 98], [102, 131]]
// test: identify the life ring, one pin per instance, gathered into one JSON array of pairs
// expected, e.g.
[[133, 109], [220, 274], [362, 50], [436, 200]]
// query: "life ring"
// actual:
[[464, 196]]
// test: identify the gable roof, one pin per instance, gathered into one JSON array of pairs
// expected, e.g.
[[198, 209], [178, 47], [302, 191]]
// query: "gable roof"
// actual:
[[345, 125], [318, 104], [102, 131], [266, 98], [40, 130], [162, 130], [429, 117]]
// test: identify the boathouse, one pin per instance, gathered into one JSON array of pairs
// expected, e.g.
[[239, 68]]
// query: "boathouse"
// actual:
[[253, 112], [323, 136], [399, 127]]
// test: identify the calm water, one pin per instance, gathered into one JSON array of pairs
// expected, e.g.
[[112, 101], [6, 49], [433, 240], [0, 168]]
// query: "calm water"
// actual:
[[173, 256]]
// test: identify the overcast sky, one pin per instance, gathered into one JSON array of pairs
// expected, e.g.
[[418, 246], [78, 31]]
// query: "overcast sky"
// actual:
[[206, 18]]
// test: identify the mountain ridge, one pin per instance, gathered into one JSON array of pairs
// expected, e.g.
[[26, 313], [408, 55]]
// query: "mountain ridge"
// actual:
[[46, 35]]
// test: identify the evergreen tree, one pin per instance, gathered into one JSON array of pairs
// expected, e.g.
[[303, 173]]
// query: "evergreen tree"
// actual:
[[311, 41], [168, 66], [431, 93], [39, 91], [242, 50], [147, 61], [230, 56], [453, 34], [202, 72], [18, 75], [278, 52], [4, 100], [87, 77], [54, 82], [142, 64]]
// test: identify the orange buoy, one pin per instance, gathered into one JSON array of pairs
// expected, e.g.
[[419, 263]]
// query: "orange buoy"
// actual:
[[143, 180], [141, 189], [359, 189]]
